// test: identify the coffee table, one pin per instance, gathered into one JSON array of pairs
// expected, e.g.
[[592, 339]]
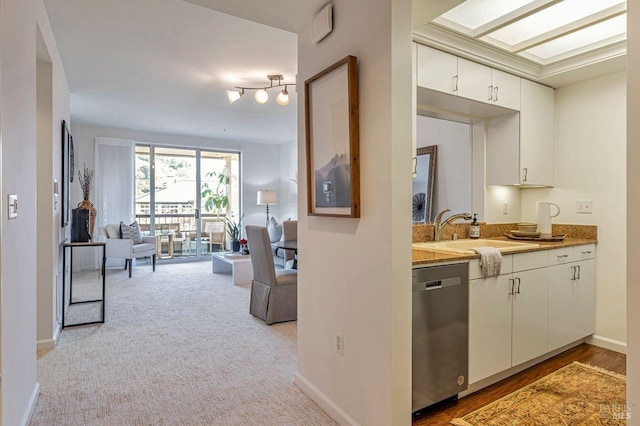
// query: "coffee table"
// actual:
[[239, 266]]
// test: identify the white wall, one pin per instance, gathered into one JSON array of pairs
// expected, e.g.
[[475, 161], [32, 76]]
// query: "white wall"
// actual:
[[354, 274], [633, 207], [17, 278], [452, 188], [590, 137], [53, 107], [260, 162], [288, 196]]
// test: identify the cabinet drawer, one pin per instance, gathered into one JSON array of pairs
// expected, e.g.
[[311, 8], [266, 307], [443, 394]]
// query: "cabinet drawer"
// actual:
[[532, 260], [475, 272], [561, 255], [584, 252]]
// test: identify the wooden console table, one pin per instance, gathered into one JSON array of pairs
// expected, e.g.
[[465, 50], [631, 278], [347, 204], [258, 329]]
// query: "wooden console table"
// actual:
[[71, 246]]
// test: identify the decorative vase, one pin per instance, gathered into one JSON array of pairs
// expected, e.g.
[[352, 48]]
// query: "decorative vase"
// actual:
[[86, 204], [235, 245]]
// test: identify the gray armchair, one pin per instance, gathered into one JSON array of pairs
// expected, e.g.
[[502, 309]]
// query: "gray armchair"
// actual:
[[274, 294]]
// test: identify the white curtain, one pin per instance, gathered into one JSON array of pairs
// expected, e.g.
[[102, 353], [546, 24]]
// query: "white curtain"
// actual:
[[115, 181]]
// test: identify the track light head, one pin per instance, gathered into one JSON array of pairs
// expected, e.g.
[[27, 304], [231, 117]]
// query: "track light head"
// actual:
[[283, 97]]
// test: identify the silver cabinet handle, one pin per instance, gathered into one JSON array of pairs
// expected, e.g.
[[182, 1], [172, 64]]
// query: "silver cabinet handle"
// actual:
[[495, 94], [586, 252], [578, 268], [573, 273], [490, 93], [455, 83], [518, 290], [512, 282], [525, 172], [560, 257]]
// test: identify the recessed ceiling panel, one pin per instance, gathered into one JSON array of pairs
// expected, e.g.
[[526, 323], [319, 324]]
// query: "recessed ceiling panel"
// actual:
[[593, 35], [476, 13], [554, 17]]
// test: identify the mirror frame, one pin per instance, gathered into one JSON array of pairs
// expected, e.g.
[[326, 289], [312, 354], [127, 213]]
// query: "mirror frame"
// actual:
[[433, 152]]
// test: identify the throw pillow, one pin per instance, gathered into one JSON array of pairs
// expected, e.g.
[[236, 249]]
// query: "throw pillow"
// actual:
[[131, 232], [275, 230]]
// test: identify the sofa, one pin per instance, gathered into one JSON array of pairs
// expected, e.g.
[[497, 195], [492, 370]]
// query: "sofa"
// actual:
[[287, 230]]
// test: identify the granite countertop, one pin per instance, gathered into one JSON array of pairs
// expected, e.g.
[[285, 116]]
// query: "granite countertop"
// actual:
[[422, 257]]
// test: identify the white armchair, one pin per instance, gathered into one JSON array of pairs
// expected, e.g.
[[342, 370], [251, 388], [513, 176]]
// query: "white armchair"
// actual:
[[123, 248]]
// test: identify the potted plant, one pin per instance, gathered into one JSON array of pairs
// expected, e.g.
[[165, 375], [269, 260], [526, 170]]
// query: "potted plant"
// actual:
[[216, 199], [234, 230]]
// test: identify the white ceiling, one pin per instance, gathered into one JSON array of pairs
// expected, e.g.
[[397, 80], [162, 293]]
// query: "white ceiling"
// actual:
[[164, 66]]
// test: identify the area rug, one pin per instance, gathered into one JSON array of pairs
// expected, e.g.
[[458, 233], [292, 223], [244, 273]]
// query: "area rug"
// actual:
[[577, 394]]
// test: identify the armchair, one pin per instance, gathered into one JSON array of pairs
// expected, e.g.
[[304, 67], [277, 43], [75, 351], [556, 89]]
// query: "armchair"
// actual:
[[215, 229], [123, 248]]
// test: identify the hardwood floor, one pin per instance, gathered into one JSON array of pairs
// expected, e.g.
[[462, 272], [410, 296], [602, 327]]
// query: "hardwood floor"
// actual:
[[587, 354]]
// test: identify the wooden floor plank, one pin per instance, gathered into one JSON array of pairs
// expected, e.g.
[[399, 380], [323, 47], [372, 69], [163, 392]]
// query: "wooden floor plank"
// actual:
[[587, 354]]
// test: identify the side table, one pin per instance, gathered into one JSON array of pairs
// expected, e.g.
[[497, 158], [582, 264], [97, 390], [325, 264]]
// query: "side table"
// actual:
[[71, 246]]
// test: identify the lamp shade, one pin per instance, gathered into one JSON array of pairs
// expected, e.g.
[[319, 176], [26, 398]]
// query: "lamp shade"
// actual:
[[233, 95], [266, 197]]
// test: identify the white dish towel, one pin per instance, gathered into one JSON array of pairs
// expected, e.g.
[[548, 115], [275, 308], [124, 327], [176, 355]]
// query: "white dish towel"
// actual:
[[490, 261]]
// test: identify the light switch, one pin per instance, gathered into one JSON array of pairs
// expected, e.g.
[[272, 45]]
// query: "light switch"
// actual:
[[13, 206]]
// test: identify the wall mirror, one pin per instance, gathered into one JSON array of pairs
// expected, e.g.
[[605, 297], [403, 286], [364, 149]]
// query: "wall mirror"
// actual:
[[423, 184]]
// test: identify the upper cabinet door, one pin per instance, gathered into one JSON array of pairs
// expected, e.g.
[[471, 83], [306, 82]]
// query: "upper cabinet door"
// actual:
[[474, 81], [506, 90], [536, 134], [437, 70]]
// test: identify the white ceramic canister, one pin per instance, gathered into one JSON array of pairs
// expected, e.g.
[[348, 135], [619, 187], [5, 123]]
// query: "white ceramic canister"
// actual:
[[543, 217]]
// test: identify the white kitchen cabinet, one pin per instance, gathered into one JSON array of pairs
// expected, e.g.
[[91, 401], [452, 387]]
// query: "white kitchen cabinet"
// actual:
[[571, 295], [536, 134], [519, 146], [456, 76], [474, 81], [530, 320], [507, 315], [437, 70], [506, 90], [488, 85], [489, 326]]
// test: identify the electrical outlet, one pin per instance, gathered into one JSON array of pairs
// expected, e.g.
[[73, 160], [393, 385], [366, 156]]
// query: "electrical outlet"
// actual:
[[505, 207], [584, 206], [340, 343]]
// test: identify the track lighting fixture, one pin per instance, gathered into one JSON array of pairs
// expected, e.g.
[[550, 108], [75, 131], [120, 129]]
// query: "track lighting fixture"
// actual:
[[261, 95]]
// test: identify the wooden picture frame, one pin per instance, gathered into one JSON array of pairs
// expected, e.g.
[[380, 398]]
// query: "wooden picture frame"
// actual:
[[332, 133], [66, 174]]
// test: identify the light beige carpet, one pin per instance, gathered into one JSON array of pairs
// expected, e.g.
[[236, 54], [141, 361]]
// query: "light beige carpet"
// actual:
[[178, 348], [576, 394]]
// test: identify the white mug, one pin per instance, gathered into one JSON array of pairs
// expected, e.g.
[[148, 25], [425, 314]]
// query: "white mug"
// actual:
[[543, 217]]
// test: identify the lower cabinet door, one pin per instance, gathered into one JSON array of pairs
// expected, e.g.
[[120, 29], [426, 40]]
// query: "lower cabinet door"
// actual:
[[489, 326], [584, 299], [530, 322], [561, 282]]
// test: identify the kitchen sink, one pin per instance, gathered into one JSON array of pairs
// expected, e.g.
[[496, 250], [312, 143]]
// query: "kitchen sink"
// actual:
[[468, 246]]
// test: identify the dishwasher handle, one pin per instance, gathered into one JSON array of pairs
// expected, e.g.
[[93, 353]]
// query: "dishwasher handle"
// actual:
[[424, 285]]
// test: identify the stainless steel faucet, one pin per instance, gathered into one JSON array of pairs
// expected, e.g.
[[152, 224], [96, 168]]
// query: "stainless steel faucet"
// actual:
[[438, 225]]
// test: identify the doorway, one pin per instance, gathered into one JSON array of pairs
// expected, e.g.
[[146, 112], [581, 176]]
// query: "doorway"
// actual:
[[192, 188]]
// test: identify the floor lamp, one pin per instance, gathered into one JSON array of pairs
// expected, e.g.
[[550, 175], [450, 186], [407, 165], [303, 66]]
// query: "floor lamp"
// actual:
[[266, 197]]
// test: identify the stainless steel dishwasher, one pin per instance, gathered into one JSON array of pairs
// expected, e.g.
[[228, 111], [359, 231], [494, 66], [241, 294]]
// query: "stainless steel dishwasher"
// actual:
[[440, 333]]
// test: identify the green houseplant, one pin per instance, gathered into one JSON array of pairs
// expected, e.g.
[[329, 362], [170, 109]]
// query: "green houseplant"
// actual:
[[215, 199], [234, 230]]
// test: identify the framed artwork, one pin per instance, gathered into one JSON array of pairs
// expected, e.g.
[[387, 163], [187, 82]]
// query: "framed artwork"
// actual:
[[332, 133], [66, 173]]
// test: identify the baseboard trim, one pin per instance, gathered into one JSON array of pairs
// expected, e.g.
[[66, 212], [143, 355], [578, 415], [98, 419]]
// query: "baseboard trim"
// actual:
[[49, 343], [605, 342], [26, 418], [323, 400]]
